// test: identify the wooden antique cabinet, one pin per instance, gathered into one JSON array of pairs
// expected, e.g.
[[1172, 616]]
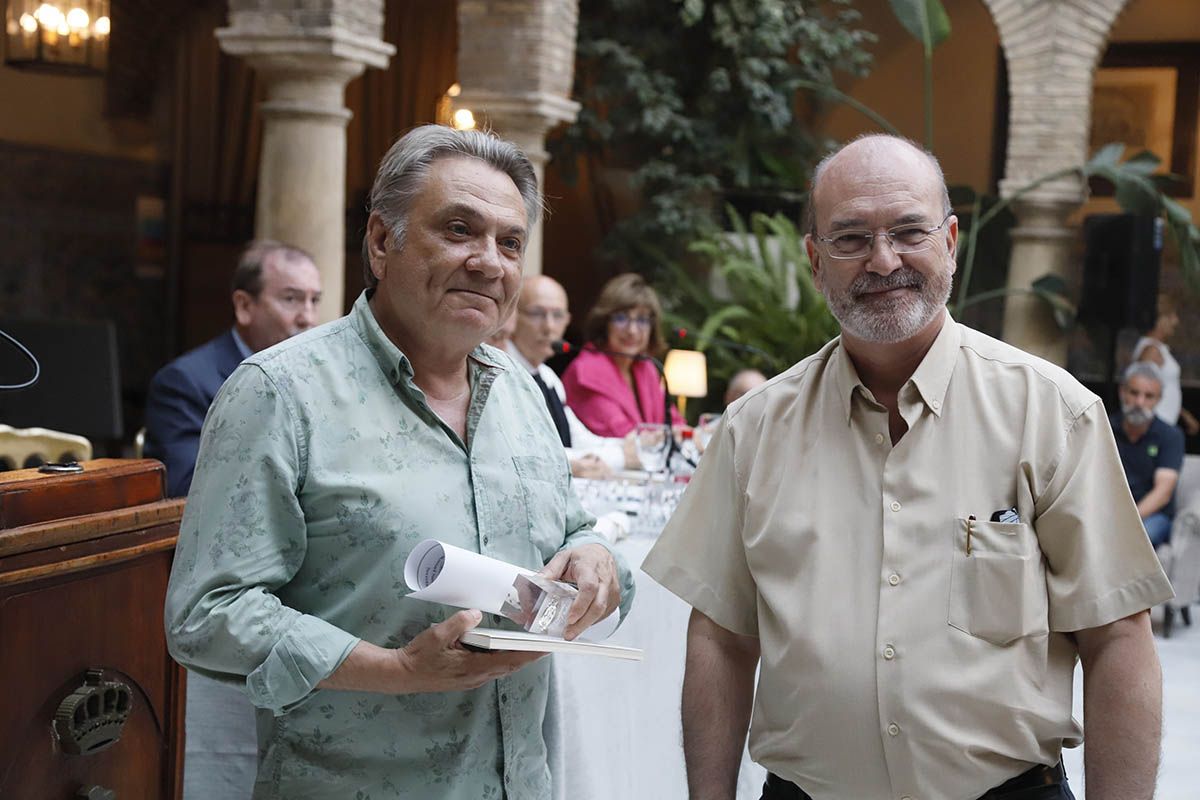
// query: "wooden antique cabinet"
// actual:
[[92, 704]]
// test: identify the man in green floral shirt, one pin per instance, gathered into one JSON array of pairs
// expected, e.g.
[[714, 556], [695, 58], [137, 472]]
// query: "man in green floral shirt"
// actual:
[[326, 458]]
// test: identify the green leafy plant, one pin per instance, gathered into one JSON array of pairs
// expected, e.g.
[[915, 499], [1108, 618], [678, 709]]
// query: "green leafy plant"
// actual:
[[698, 99], [762, 298], [929, 24], [1138, 191]]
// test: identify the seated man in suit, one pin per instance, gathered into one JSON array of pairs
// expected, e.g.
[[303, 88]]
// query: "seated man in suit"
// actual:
[[1151, 450], [276, 289], [541, 319]]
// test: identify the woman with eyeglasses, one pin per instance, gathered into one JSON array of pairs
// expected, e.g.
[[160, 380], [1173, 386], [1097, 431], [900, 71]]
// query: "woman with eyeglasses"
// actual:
[[613, 384]]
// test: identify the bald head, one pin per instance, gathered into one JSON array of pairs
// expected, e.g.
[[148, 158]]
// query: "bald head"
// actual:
[[883, 238], [542, 318], [875, 154], [541, 286], [742, 382]]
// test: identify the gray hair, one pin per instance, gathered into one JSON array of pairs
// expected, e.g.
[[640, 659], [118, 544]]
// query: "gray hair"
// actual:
[[406, 164], [819, 171], [1143, 369], [247, 275]]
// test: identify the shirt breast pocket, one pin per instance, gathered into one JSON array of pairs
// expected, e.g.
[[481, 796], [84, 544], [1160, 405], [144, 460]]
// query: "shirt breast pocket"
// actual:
[[997, 581], [543, 490]]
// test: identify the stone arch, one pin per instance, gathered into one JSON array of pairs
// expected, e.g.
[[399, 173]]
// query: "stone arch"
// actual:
[[1052, 48], [516, 66]]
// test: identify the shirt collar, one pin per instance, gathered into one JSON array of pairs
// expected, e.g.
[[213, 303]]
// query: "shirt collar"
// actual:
[[933, 374], [931, 378], [516, 356], [390, 358], [242, 347]]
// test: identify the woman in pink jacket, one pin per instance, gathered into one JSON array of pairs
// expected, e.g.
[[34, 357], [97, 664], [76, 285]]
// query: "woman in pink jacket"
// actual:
[[610, 385]]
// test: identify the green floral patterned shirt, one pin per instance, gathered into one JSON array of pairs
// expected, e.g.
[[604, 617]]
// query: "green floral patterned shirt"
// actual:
[[320, 467]]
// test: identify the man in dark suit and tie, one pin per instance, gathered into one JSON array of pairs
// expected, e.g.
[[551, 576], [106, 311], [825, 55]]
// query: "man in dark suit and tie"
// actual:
[[276, 289], [541, 319]]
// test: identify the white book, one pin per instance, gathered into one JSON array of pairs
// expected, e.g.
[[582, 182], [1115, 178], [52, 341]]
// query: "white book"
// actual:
[[496, 639]]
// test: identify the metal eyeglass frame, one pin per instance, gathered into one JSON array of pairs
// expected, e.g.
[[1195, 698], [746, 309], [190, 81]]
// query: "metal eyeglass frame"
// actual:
[[889, 234]]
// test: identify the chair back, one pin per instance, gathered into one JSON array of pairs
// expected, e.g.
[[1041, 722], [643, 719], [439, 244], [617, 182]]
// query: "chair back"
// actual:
[[21, 448]]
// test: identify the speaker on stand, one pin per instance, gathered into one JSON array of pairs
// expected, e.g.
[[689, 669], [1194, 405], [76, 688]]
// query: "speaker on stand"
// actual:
[[1122, 257]]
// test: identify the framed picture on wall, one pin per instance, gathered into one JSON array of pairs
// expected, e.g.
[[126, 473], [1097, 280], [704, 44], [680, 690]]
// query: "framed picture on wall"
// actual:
[[1145, 95]]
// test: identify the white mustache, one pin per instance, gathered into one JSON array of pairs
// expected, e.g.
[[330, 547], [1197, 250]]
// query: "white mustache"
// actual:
[[903, 278]]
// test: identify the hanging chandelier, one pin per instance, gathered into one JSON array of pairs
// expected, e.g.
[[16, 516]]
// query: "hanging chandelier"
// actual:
[[65, 36]]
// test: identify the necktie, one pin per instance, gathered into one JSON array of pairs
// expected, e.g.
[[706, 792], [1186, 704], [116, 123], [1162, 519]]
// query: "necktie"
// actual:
[[556, 410]]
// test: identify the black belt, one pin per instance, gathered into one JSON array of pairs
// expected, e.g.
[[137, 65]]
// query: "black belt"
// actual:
[[1041, 775]]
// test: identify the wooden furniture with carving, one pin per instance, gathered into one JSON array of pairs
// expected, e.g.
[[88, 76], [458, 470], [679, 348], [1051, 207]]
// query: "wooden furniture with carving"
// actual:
[[93, 702]]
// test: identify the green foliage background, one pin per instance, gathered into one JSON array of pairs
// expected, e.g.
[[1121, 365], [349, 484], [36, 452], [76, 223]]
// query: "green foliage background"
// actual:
[[699, 99]]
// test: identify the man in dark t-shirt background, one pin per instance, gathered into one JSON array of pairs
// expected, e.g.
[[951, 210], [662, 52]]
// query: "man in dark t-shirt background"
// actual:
[[1151, 450]]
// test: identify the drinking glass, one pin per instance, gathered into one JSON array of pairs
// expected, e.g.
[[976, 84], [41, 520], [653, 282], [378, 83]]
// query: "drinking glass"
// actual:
[[653, 442], [706, 426]]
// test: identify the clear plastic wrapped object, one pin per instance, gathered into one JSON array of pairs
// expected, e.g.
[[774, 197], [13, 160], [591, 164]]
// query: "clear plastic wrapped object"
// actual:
[[539, 605]]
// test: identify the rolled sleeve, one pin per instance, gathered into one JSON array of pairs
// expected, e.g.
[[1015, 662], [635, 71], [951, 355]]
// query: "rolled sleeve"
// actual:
[[242, 538], [1100, 564], [305, 655]]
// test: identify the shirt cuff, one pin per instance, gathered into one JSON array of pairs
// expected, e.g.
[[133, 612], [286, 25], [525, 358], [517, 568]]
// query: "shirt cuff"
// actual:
[[1136, 595], [624, 574], [307, 654]]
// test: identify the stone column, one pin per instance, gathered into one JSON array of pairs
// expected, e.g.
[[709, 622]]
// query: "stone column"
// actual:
[[306, 51], [1052, 50], [516, 64], [1041, 244]]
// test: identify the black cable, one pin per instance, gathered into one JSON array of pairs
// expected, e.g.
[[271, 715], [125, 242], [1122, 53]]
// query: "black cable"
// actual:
[[37, 368]]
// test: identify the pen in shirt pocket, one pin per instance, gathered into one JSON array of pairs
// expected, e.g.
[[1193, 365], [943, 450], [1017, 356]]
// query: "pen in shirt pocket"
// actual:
[[970, 522]]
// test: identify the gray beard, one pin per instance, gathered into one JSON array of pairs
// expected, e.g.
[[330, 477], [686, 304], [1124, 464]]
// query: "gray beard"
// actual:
[[1137, 416], [894, 320]]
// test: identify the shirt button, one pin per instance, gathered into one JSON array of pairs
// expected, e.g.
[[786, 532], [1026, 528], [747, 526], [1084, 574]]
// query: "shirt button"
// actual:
[[504, 698], [879, 438], [936, 404], [485, 540], [894, 729], [893, 579], [895, 506], [889, 652]]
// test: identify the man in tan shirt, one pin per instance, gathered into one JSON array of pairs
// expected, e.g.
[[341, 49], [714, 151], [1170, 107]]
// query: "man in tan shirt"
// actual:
[[912, 534]]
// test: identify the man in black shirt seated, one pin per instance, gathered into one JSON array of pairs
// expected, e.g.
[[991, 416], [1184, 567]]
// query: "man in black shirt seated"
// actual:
[[1151, 450]]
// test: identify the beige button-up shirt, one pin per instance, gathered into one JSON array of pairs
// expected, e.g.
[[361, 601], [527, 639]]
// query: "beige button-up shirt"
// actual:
[[910, 646]]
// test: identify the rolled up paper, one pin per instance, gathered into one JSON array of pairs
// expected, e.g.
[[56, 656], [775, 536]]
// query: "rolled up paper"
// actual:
[[442, 573]]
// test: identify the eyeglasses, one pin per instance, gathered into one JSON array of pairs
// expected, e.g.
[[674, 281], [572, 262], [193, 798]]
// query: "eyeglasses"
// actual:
[[543, 314], [623, 320], [903, 239]]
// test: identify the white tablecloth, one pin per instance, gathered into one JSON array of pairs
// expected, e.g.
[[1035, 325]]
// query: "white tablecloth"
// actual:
[[221, 751], [613, 727]]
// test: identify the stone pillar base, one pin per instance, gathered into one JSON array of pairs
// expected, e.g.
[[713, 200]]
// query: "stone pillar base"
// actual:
[[1041, 244]]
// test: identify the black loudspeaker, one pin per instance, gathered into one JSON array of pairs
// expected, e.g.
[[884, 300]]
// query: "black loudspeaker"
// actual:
[[79, 390], [1120, 271]]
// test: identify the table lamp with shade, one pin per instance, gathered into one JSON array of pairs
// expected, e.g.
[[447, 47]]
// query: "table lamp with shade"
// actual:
[[686, 372]]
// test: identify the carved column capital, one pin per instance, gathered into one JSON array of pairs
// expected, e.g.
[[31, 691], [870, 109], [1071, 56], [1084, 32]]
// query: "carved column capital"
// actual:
[[306, 51]]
